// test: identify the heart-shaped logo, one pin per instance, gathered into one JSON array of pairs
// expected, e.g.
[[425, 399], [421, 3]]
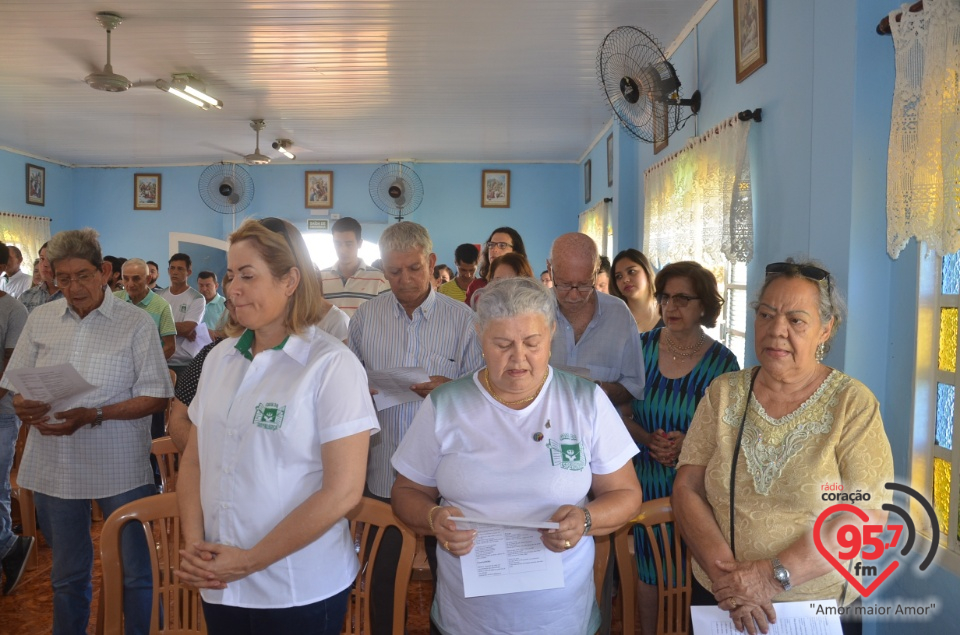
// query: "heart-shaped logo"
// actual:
[[865, 592]]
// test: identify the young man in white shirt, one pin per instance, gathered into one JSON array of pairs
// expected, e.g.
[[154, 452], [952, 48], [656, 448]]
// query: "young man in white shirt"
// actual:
[[188, 306], [14, 280]]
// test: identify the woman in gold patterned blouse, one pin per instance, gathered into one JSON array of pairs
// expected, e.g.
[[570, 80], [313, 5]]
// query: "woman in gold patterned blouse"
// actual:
[[797, 429]]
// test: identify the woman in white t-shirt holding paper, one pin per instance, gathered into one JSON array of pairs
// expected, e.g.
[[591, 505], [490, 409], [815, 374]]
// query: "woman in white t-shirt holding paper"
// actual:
[[278, 453], [519, 441]]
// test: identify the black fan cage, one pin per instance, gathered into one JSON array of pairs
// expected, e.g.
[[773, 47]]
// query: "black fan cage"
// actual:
[[396, 189], [226, 188], [640, 84]]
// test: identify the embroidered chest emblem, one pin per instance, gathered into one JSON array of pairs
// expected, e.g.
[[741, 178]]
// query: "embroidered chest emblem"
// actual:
[[567, 453], [269, 416]]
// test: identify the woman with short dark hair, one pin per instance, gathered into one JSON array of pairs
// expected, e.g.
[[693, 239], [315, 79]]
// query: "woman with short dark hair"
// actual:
[[681, 360]]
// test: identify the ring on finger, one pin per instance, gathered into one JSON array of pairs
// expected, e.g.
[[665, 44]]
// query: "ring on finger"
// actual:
[[733, 603], [446, 545]]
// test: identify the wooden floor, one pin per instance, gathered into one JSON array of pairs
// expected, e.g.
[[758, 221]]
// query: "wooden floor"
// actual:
[[29, 610]]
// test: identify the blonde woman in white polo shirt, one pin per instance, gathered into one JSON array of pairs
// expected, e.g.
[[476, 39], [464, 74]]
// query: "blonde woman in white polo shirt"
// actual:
[[278, 453], [520, 441]]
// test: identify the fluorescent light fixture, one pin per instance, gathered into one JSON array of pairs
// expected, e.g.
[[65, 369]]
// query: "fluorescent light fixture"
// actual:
[[189, 88], [283, 147]]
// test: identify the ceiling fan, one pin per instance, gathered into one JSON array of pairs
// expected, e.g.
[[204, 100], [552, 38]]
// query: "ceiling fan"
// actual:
[[108, 80], [256, 158]]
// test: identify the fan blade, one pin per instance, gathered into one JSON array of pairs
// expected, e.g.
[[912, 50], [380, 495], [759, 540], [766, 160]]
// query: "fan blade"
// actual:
[[233, 199], [401, 200]]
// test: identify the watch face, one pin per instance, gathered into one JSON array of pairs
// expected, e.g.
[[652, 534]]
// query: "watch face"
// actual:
[[781, 574]]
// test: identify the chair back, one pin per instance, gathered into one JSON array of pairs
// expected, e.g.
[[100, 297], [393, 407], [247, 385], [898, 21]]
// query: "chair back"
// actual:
[[368, 520], [672, 562], [168, 460], [24, 498], [176, 606]]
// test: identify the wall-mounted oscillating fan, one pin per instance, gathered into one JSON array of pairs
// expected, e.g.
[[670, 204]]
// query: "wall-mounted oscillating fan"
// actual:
[[641, 84], [396, 189], [226, 188]]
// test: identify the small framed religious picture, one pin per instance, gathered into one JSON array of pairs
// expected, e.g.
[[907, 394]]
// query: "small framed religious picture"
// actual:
[[146, 191], [318, 190], [36, 184], [749, 36], [495, 188]]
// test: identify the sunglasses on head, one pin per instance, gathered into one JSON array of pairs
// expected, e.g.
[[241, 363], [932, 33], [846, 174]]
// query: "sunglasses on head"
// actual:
[[277, 226], [807, 271]]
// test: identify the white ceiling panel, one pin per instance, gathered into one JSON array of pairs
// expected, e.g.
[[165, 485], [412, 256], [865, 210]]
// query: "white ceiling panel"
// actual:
[[346, 80]]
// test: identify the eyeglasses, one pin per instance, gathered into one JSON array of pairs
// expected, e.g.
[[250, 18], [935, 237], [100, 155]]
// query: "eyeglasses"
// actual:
[[564, 287], [807, 271], [491, 245], [83, 278], [277, 226], [679, 300]]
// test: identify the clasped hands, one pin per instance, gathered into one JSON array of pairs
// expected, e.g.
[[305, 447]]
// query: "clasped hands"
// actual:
[[746, 591], [460, 542], [665, 446], [37, 414], [208, 565]]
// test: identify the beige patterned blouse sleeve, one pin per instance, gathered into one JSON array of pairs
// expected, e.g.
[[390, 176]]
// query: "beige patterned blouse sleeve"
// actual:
[[836, 438]]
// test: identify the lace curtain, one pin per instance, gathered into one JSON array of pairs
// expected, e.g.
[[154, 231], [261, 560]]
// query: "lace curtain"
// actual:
[[923, 161], [698, 204], [595, 223], [26, 232]]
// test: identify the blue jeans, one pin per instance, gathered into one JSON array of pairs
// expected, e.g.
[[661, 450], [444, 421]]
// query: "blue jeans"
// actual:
[[9, 428], [320, 618], [65, 524]]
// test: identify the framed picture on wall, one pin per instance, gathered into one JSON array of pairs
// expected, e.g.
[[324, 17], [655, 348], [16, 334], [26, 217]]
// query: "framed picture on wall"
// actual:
[[146, 191], [661, 127], [36, 184], [610, 160], [587, 177], [749, 36], [318, 190], [495, 188]]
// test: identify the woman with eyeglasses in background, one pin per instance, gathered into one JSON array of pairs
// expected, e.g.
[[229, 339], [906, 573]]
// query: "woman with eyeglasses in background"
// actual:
[[797, 428], [503, 240], [680, 361], [633, 283], [278, 454]]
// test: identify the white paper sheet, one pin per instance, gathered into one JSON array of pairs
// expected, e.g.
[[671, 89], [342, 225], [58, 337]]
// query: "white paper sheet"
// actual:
[[54, 385], [793, 618], [507, 559], [201, 340], [393, 385]]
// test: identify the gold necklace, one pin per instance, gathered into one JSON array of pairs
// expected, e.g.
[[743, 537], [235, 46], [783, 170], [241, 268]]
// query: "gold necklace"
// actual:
[[493, 393], [684, 351]]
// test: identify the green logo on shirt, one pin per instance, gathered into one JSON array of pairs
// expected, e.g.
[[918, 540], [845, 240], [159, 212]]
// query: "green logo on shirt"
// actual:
[[567, 453], [269, 416]]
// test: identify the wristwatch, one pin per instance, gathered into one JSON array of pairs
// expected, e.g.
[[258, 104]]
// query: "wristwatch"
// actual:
[[99, 420], [781, 574], [587, 520]]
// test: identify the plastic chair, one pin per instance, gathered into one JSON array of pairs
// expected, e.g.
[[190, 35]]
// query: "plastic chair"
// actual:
[[168, 460], [160, 518], [673, 569], [24, 498], [367, 517]]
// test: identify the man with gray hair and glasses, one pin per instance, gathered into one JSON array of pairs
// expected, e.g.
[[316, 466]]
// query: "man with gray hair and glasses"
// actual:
[[96, 445], [411, 325], [595, 331]]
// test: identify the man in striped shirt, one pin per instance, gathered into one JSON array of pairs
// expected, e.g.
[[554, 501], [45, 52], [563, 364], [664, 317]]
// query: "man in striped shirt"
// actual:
[[412, 325], [350, 282]]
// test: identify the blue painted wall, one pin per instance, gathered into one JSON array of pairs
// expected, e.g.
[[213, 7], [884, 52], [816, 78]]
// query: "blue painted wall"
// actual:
[[819, 176]]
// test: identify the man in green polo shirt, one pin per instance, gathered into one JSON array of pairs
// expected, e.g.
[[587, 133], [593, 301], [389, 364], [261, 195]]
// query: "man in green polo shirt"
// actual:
[[137, 292]]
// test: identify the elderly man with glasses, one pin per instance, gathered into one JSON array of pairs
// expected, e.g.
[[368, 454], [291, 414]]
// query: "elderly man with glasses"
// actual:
[[595, 332], [95, 445]]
